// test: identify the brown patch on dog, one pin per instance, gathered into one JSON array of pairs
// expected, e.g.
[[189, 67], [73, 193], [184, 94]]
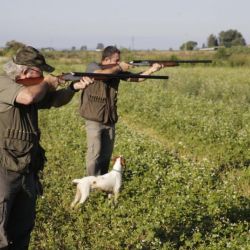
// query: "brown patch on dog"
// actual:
[[113, 159], [123, 161]]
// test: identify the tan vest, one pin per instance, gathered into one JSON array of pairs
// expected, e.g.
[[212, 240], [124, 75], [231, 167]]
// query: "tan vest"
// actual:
[[19, 139], [99, 102]]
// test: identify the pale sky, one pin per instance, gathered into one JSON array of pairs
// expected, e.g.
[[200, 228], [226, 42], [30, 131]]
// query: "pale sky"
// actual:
[[135, 24]]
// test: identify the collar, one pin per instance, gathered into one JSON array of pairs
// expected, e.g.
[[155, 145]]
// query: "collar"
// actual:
[[119, 171]]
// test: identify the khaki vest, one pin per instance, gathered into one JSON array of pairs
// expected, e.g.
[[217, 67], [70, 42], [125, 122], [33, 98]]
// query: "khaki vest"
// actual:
[[19, 139], [99, 102]]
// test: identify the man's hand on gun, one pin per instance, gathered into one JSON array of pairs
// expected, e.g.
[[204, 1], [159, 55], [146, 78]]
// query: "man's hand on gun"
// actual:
[[156, 67], [83, 83], [53, 82], [124, 66]]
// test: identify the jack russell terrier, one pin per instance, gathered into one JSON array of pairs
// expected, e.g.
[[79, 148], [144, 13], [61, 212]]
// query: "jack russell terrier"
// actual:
[[110, 183]]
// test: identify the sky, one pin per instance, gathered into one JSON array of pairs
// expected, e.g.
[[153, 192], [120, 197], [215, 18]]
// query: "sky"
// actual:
[[133, 24]]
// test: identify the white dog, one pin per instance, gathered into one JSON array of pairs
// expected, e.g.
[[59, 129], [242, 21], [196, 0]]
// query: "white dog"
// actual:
[[110, 182]]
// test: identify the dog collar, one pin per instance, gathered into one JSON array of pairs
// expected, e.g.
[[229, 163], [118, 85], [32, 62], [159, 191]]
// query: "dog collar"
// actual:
[[117, 170]]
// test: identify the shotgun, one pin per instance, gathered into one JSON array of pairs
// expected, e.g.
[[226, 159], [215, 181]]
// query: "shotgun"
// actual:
[[166, 63], [76, 76]]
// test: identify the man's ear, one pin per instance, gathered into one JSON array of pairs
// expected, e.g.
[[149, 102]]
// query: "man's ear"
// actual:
[[106, 60], [23, 74], [25, 71]]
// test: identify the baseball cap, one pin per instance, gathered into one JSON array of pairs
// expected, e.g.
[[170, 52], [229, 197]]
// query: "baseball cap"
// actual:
[[30, 56]]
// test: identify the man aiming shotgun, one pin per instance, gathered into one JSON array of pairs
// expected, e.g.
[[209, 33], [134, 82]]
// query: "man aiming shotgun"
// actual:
[[21, 155], [99, 107]]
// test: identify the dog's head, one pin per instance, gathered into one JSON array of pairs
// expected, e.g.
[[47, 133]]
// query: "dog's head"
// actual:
[[121, 158]]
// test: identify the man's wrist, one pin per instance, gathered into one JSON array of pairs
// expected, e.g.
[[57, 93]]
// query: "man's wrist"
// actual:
[[119, 68], [151, 72], [71, 87]]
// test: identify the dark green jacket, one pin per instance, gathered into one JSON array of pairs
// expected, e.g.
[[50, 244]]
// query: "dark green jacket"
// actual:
[[19, 133]]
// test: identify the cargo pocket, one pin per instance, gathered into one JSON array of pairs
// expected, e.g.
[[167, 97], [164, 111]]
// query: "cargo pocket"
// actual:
[[2, 211], [16, 154]]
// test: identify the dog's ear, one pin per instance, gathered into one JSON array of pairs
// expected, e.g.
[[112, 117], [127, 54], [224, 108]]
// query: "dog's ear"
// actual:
[[113, 159], [123, 161]]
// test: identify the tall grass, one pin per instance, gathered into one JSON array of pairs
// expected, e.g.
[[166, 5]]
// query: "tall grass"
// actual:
[[199, 111], [186, 184]]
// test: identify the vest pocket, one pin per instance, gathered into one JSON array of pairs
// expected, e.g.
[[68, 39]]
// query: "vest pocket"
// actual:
[[93, 108]]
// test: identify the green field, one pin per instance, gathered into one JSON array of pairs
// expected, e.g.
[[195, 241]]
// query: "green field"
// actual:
[[187, 180]]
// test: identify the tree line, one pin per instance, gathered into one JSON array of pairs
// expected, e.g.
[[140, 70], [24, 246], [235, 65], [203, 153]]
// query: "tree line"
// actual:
[[225, 39]]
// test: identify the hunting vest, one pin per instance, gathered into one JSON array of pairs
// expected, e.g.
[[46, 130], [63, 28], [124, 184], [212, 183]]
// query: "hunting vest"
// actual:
[[99, 102], [19, 138]]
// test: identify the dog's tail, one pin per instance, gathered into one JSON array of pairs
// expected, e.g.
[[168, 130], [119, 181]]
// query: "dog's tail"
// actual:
[[76, 181], [82, 191]]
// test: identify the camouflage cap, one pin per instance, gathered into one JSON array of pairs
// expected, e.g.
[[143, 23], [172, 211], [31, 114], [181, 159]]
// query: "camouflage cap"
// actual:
[[30, 56]]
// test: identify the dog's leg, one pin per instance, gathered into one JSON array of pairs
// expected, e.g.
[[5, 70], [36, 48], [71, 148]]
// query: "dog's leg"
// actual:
[[77, 197], [110, 198], [116, 195], [85, 190], [116, 192]]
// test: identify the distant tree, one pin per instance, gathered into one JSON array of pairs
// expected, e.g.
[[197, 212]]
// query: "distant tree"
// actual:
[[231, 38], [73, 48], [100, 46], [190, 45], [84, 47], [212, 41], [13, 45], [48, 49]]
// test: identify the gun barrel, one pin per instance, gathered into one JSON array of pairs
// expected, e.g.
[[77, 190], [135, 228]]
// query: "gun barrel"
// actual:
[[193, 61], [75, 76], [167, 63]]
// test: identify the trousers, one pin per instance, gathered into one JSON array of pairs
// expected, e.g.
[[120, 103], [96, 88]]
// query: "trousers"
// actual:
[[100, 144], [18, 194]]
